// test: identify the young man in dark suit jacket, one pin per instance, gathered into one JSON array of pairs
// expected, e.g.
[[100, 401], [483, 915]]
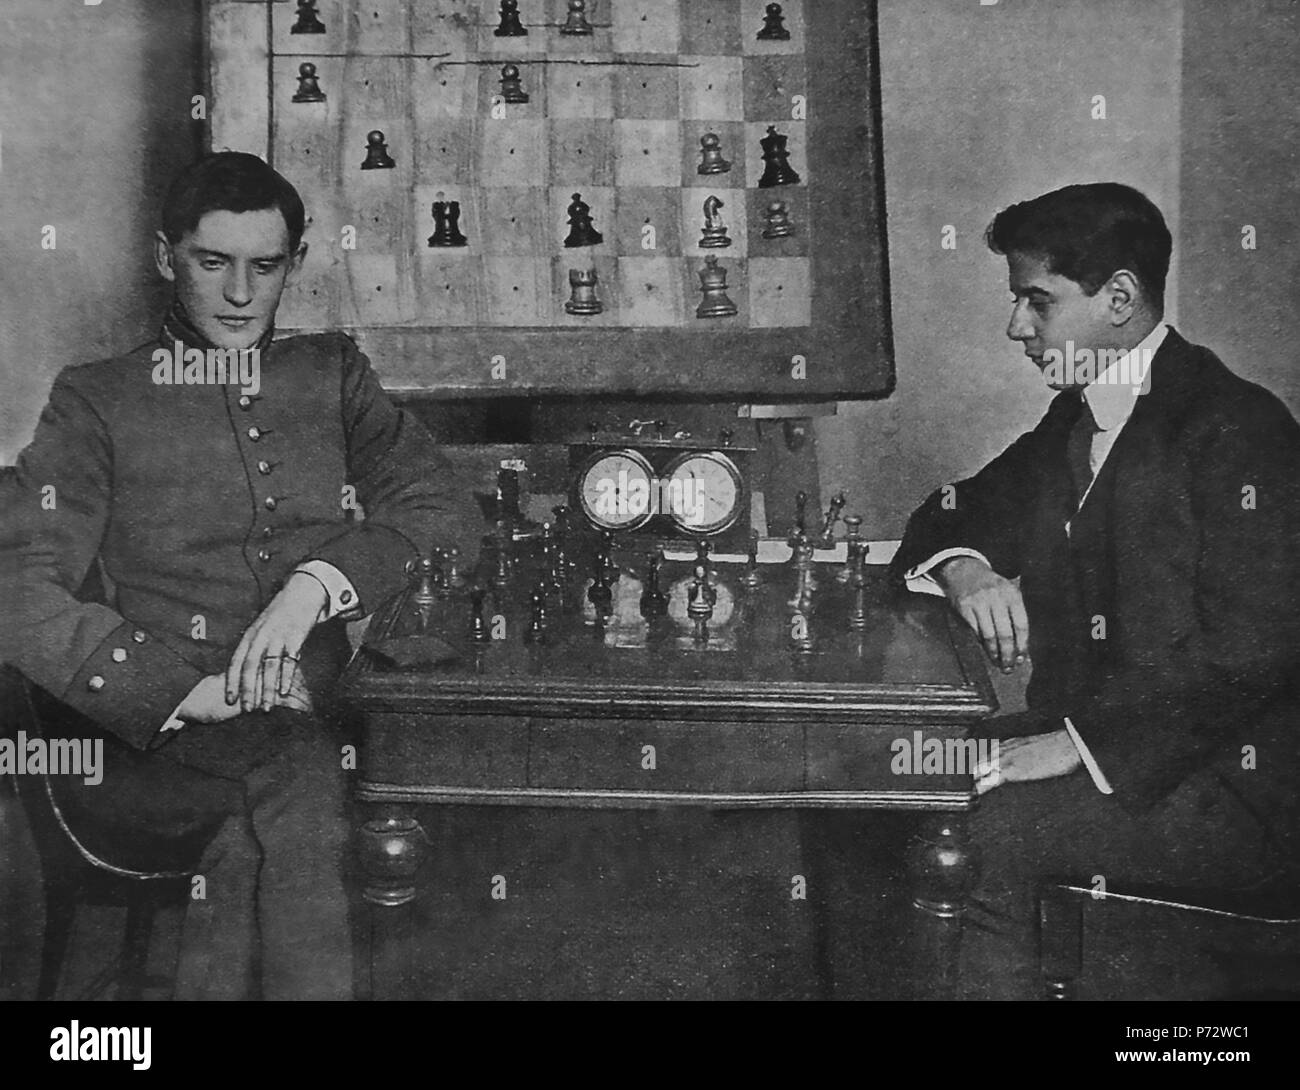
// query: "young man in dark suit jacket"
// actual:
[[223, 515], [1140, 544]]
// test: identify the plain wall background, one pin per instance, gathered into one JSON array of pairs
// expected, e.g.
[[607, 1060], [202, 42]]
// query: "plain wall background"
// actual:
[[983, 106]]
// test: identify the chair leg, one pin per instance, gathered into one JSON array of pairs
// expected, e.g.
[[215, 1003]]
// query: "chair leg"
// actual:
[[135, 946], [1060, 938], [60, 912]]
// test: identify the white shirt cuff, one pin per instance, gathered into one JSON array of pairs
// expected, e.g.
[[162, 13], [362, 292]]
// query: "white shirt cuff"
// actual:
[[919, 579], [1089, 761], [341, 594]]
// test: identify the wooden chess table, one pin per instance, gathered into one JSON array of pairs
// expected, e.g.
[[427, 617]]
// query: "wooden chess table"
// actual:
[[774, 710]]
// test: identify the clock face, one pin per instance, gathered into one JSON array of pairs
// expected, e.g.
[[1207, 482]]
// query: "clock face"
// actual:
[[616, 489], [703, 492]]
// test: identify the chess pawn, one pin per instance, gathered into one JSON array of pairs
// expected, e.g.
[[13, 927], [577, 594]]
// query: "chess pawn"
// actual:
[[512, 88], [711, 160], [510, 26], [582, 293], [777, 170], [308, 20], [854, 544], [477, 626], [800, 528], [308, 85], [581, 231], [826, 540], [702, 596], [778, 221], [452, 577], [774, 29], [713, 285], [715, 231], [576, 23], [377, 157]]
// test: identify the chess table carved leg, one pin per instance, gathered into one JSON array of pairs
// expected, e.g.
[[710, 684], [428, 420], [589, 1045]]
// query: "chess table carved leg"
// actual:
[[941, 872], [392, 847]]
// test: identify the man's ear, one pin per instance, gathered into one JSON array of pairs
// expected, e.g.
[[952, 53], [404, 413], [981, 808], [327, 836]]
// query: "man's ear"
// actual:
[[1123, 293], [162, 256], [295, 264]]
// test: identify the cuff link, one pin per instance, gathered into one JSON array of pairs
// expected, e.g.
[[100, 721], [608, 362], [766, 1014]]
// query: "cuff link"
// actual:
[[95, 683]]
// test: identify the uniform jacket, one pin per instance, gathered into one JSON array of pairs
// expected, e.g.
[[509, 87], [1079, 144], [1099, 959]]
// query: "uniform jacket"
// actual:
[[198, 501], [1165, 624]]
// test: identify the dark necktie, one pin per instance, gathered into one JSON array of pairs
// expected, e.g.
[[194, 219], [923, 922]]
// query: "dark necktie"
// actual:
[[1078, 450]]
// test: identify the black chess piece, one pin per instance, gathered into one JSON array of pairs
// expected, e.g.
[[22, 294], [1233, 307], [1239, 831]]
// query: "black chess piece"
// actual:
[[826, 539], [581, 231], [702, 596], [853, 544], [504, 565], [308, 21], [713, 285], [703, 547], [477, 626], [753, 578], [607, 546], [512, 85], [424, 574], [776, 156], [654, 602], [800, 528], [774, 29], [582, 293], [453, 578], [778, 221], [858, 618], [446, 225], [599, 593], [510, 26], [308, 85], [576, 23], [536, 631], [377, 157], [711, 160], [715, 231]]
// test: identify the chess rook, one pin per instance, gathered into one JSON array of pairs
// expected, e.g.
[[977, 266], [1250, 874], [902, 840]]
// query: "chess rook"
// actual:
[[512, 88], [582, 293], [774, 29], [776, 156], [446, 225], [308, 85], [576, 23], [711, 160], [308, 21], [715, 231], [377, 157], [778, 221], [713, 285], [510, 26], [581, 231]]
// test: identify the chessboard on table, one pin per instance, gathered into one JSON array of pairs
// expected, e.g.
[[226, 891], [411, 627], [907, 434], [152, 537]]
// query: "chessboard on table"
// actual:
[[614, 120]]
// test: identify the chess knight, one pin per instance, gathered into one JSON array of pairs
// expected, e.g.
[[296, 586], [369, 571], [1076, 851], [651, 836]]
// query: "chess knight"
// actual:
[[178, 565]]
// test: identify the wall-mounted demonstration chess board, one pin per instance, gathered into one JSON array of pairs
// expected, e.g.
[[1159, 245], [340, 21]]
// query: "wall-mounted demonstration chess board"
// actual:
[[616, 196]]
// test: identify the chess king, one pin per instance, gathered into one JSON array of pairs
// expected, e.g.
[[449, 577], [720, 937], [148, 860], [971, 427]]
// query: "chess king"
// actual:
[[178, 565], [1140, 544]]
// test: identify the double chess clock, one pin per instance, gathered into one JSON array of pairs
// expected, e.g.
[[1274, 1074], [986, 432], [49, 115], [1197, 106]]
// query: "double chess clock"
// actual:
[[668, 488]]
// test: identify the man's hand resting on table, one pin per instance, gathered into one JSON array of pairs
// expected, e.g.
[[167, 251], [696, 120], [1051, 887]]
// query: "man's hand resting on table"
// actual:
[[1034, 757], [991, 605], [262, 670], [206, 702]]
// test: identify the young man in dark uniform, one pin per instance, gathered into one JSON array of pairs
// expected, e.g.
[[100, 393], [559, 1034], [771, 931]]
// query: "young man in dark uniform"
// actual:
[[1140, 544], [222, 515]]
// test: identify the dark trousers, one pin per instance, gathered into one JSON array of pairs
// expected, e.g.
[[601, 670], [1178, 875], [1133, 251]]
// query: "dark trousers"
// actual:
[[260, 800], [1200, 836]]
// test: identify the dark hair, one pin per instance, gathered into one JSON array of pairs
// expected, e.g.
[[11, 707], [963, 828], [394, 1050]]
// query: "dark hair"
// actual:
[[1087, 232], [229, 181]]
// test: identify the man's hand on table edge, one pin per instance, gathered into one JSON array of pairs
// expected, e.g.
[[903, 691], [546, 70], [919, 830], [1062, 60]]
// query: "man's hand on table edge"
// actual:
[[991, 605]]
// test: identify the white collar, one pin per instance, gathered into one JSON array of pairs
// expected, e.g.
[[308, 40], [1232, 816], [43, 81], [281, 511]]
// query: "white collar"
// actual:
[[1114, 393]]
